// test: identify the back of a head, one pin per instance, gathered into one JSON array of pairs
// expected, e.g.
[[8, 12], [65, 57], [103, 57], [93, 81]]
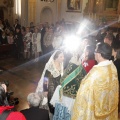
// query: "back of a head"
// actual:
[[2, 96], [110, 37], [105, 50], [33, 99], [91, 50]]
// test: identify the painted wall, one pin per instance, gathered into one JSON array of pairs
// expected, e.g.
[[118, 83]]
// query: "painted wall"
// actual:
[[27, 16]]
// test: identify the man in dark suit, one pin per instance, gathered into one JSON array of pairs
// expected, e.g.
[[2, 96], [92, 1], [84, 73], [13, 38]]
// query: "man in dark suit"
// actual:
[[42, 31], [34, 112], [16, 25]]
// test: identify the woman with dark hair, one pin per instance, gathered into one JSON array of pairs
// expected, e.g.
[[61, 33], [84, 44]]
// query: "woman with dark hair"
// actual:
[[6, 112], [70, 82], [76, 71], [19, 43], [88, 59], [51, 75]]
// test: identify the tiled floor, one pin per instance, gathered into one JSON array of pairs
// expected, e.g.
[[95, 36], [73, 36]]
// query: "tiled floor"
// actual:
[[22, 76]]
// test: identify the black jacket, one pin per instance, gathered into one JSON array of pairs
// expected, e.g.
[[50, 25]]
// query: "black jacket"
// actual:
[[3, 40], [35, 113], [117, 64]]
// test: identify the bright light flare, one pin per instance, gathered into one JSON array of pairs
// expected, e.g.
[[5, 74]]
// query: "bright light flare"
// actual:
[[84, 28], [81, 28], [71, 43]]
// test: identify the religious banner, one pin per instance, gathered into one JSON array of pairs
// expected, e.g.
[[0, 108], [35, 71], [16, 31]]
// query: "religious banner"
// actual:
[[73, 6]]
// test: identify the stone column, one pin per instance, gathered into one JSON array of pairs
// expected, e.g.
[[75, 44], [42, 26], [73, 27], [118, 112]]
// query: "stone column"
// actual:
[[91, 6], [24, 12], [31, 11], [58, 9], [118, 11], [115, 3]]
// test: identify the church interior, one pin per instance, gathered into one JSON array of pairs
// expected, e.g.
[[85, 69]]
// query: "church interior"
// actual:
[[22, 62]]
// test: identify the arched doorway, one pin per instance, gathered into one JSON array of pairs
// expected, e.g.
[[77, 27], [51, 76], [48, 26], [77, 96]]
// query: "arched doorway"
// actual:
[[46, 15]]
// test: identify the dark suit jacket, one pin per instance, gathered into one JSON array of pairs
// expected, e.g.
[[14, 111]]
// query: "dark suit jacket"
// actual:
[[42, 36], [3, 40], [117, 64], [35, 113], [16, 26]]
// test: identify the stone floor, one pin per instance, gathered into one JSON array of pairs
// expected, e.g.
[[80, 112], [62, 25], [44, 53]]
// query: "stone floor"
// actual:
[[23, 77]]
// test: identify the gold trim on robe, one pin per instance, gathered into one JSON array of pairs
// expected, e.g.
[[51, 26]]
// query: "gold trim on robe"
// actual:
[[97, 97]]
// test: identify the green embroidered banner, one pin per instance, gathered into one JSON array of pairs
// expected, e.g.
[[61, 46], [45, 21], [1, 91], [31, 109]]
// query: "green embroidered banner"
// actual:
[[71, 80]]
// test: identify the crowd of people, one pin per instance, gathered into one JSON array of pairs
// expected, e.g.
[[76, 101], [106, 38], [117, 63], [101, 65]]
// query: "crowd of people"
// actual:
[[32, 41], [86, 89]]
